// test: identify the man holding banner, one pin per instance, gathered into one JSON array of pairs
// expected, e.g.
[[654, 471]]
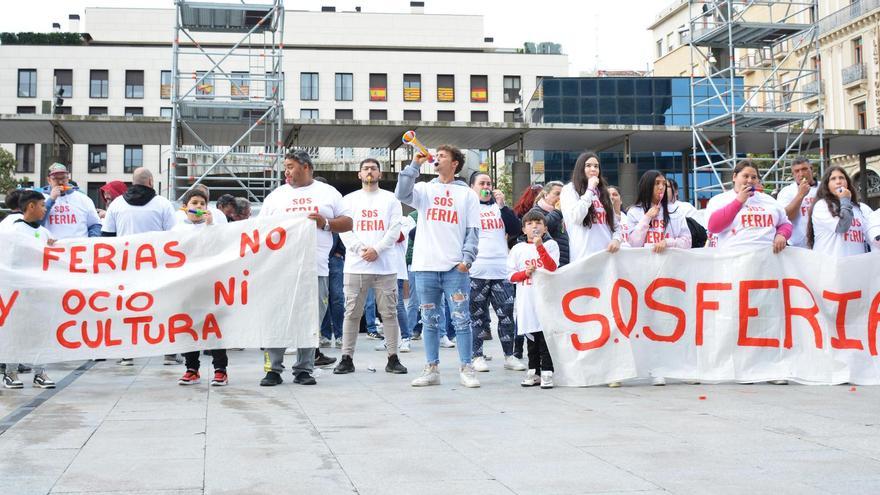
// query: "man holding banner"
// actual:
[[322, 203]]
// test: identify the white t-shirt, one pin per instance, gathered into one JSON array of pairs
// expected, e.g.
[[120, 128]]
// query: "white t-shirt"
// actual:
[[406, 225], [755, 223], [125, 219], [849, 243], [376, 217], [677, 232], [70, 216], [187, 226], [522, 256], [445, 212], [315, 197], [491, 262], [874, 229], [8, 220], [682, 208], [217, 215], [39, 234], [584, 241], [799, 224]]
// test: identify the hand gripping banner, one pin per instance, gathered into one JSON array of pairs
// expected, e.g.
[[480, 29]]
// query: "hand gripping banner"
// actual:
[[243, 284], [713, 316]]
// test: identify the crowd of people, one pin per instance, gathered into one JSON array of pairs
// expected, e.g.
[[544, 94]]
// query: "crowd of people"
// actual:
[[461, 253]]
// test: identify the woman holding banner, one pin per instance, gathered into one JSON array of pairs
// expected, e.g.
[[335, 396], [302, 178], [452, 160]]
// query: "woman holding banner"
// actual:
[[587, 210], [838, 223]]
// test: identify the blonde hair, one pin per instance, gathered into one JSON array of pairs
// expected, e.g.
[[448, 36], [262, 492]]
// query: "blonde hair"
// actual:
[[546, 190]]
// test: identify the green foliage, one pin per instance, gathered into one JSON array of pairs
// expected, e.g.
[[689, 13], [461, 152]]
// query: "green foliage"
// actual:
[[40, 39], [7, 172], [505, 183]]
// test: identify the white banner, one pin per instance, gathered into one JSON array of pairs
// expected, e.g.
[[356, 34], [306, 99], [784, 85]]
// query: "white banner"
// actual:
[[713, 316], [242, 284]]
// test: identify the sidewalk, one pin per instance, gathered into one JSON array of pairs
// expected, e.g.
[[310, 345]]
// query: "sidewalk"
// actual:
[[135, 431]]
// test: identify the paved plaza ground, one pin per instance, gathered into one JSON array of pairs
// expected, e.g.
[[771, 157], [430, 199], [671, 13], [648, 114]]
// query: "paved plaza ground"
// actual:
[[109, 429]]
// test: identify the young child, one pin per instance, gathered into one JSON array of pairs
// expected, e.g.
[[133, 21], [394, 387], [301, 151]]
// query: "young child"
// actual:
[[33, 209], [535, 250], [195, 204], [15, 212]]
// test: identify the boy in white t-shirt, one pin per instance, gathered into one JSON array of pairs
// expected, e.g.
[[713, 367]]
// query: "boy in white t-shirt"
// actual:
[[33, 209]]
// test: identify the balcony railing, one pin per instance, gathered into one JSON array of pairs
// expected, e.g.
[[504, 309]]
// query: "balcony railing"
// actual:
[[812, 89], [853, 73], [847, 14]]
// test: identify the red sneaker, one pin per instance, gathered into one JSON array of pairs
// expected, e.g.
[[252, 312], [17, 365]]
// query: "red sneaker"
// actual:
[[191, 377], [220, 379]]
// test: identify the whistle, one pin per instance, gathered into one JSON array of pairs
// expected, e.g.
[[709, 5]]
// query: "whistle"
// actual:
[[409, 137], [66, 188], [484, 193], [195, 212]]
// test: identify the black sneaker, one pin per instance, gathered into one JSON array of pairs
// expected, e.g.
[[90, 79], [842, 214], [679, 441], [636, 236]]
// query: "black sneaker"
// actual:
[[346, 365], [485, 335], [375, 336], [394, 366], [41, 380], [322, 360], [304, 378], [24, 369], [272, 378]]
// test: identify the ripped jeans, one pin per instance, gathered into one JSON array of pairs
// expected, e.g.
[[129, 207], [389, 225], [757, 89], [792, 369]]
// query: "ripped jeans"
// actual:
[[453, 287]]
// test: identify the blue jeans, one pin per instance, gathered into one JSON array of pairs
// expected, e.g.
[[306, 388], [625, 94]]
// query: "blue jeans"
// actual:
[[331, 325], [412, 312], [370, 312], [454, 288]]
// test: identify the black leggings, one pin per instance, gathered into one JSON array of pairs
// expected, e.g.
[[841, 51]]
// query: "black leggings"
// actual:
[[219, 357], [539, 354]]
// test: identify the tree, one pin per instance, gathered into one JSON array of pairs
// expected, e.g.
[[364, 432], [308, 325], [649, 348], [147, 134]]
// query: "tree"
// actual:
[[7, 172]]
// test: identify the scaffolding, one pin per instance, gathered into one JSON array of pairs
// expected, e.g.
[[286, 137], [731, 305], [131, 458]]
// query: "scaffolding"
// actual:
[[754, 64], [226, 71]]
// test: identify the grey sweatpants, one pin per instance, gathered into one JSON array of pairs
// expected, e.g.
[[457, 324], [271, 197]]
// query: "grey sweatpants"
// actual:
[[305, 356]]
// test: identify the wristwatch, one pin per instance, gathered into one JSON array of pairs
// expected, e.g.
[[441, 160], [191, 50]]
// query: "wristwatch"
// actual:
[[326, 227], [468, 264]]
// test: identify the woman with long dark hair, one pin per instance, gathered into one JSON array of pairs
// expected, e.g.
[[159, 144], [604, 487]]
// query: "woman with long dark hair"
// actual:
[[649, 220], [587, 210], [838, 223]]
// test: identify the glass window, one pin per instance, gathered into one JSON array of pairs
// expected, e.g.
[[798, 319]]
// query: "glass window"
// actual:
[[552, 106], [165, 84], [626, 106], [133, 158], [25, 110], [204, 86], [570, 87], [97, 158], [134, 111], [626, 87], [551, 87], [589, 106], [479, 89], [512, 89], [479, 116], [378, 114], [861, 116], [412, 87], [239, 85], [97, 110], [857, 50], [308, 113], [99, 84], [378, 87], [344, 114], [134, 84], [412, 115], [446, 115], [643, 87], [274, 84], [24, 158], [607, 87], [64, 81], [607, 106], [508, 117], [308, 86], [64, 110], [589, 87], [570, 106], [344, 87], [643, 106], [165, 112], [27, 83], [445, 87]]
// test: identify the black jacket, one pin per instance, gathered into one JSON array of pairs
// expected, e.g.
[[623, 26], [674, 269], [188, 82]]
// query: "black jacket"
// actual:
[[556, 229]]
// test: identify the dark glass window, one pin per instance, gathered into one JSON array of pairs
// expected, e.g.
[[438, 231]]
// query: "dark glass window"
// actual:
[[27, 83], [414, 115], [24, 158], [446, 115], [99, 84], [607, 87], [589, 106], [134, 84], [479, 116], [133, 157], [97, 158], [589, 87], [570, 87], [134, 111], [412, 87], [97, 110], [308, 86], [346, 114], [25, 110], [64, 80], [378, 87], [378, 114]]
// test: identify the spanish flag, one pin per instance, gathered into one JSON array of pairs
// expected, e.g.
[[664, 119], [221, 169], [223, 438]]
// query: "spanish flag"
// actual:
[[479, 94], [378, 94]]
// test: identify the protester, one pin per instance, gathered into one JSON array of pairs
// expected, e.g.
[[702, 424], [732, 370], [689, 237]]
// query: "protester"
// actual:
[[33, 210], [526, 201], [535, 250], [109, 192], [14, 210], [323, 203], [838, 224], [616, 205], [489, 282], [797, 198], [650, 223], [548, 204], [70, 213], [585, 202], [219, 216], [445, 248], [682, 208], [370, 263]]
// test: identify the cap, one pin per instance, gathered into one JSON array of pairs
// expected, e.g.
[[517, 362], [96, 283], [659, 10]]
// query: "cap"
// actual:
[[57, 168]]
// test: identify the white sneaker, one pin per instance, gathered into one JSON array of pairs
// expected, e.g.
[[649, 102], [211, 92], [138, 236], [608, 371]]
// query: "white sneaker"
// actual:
[[404, 346], [658, 381], [324, 342], [380, 346], [512, 363], [446, 343], [290, 351], [338, 343], [430, 376], [125, 362], [546, 379], [480, 364], [779, 382], [531, 379], [614, 385], [468, 376]]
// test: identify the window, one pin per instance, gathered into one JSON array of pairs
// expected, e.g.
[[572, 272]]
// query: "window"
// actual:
[[239, 85], [378, 87], [412, 87], [165, 112], [445, 115], [63, 111], [378, 114], [134, 84], [816, 63], [99, 84], [682, 35], [668, 42], [24, 158], [165, 85], [861, 116], [659, 48], [24, 110], [344, 114], [445, 87], [97, 158], [511, 89], [134, 111], [479, 116], [27, 83], [479, 89], [786, 97], [509, 117], [133, 158], [309, 113], [274, 84], [205, 88], [308, 86], [857, 50], [64, 80], [414, 115], [97, 110], [344, 83]]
